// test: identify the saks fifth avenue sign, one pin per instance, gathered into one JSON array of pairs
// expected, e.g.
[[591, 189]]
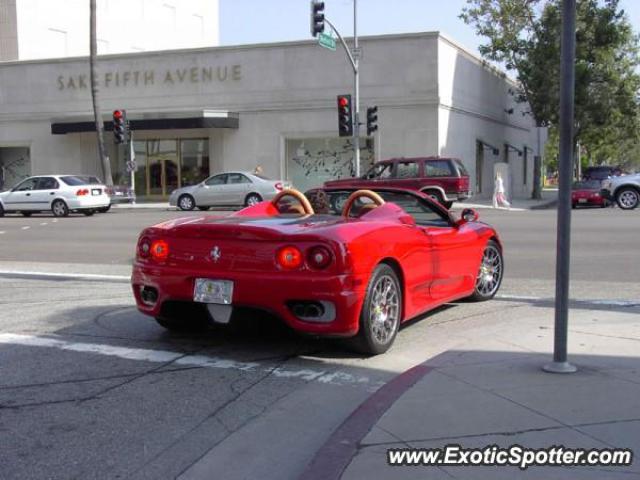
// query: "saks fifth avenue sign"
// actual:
[[147, 78]]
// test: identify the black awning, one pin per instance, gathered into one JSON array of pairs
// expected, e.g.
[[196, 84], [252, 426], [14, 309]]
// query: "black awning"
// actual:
[[61, 127]]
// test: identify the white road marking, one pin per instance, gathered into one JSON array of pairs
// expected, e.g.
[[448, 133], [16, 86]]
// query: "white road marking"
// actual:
[[55, 220], [43, 224], [65, 276], [26, 228], [2, 233], [164, 356]]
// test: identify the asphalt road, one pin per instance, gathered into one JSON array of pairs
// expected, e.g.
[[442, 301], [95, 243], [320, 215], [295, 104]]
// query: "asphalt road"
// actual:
[[90, 388], [604, 241]]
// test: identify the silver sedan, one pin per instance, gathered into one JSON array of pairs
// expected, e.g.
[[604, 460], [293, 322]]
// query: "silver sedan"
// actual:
[[227, 189]]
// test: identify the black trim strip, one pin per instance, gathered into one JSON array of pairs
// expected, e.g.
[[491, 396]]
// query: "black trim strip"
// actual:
[[62, 128]]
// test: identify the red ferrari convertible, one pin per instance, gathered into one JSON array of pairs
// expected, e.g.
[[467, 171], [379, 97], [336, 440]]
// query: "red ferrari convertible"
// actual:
[[387, 257]]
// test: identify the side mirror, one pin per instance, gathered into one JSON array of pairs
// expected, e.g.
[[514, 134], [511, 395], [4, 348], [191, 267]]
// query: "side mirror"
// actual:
[[468, 215]]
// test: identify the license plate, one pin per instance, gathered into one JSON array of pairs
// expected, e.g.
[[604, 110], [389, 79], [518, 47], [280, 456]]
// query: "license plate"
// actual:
[[207, 290], [95, 191], [582, 200]]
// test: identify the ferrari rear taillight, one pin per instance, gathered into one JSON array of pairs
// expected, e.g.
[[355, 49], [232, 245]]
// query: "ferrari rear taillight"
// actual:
[[279, 186], [82, 192], [319, 257], [159, 250], [289, 258]]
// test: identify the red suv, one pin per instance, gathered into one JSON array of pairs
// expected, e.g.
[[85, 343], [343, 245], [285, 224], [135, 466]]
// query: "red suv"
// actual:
[[443, 179]]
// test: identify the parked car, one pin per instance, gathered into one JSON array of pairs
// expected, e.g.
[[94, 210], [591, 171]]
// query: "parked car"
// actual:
[[443, 179], [587, 193], [60, 194], [117, 193], [625, 190], [600, 172], [227, 189], [387, 257]]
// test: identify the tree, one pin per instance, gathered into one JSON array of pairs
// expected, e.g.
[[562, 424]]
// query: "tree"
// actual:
[[97, 111], [524, 35]]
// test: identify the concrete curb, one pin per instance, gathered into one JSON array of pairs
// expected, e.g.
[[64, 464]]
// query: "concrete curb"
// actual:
[[545, 206], [337, 452]]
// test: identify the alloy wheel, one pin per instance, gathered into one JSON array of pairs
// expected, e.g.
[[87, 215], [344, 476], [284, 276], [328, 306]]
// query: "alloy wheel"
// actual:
[[628, 199], [384, 310], [490, 273]]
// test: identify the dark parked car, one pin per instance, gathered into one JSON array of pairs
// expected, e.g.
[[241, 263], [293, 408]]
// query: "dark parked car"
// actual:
[[444, 179], [587, 193], [601, 172]]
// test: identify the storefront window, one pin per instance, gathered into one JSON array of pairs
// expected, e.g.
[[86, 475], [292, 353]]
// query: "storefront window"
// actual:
[[312, 161], [194, 160]]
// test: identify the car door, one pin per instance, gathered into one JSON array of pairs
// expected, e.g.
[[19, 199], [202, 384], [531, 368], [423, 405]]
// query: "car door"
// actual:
[[211, 191], [45, 191], [377, 176], [20, 196], [441, 173], [456, 256], [406, 174], [237, 188]]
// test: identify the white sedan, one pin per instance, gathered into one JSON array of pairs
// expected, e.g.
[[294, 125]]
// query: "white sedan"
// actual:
[[59, 194], [227, 189]]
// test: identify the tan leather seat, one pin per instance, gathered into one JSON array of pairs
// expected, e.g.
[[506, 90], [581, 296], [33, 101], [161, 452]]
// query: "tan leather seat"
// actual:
[[366, 209], [292, 208]]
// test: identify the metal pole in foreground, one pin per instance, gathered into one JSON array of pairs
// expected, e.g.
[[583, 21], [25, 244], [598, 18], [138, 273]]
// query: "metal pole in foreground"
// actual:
[[356, 117], [563, 252]]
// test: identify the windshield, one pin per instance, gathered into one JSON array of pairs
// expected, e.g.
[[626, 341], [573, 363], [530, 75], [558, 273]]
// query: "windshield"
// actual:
[[261, 176], [587, 185], [332, 202], [74, 181]]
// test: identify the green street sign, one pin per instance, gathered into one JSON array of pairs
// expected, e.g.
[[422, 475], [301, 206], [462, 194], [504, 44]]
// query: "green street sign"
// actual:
[[326, 41]]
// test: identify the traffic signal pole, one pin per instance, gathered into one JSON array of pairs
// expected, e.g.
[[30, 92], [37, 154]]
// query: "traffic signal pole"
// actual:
[[356, 88], [354, 60]]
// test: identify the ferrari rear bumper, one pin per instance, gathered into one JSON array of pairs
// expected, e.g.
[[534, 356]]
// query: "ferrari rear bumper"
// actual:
[[278, 293]]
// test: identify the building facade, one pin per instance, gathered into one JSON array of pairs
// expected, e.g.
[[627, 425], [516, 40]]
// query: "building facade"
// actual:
[[36, 29], [200, 111]]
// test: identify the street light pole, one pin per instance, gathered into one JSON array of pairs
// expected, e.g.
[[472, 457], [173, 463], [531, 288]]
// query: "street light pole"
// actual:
[[565, 170]]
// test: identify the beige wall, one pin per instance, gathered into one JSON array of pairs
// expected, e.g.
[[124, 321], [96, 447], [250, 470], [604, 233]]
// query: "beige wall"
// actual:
[[425, 87]]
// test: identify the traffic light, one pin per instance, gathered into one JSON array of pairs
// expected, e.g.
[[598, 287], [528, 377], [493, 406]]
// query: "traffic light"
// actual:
[[372, 120], [317, 17], [120, 126], [345, 116]]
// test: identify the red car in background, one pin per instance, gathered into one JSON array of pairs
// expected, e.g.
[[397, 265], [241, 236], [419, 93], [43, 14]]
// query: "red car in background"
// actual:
[[445, 180], [587, 194], [387, 257]]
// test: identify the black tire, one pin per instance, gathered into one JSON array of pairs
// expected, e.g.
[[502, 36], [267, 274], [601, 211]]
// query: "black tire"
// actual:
[[437, 196], [186, 202], [88, 213], [59, 208], [204, 209], [628, 198], [252, 199], [1, 211], [26, 214], [573, 205], [104, 209], [482, 290], [368, 340]]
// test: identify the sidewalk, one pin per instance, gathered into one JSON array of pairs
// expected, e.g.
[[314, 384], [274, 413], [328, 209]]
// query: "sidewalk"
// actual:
[[549, 200], [491, 390]]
